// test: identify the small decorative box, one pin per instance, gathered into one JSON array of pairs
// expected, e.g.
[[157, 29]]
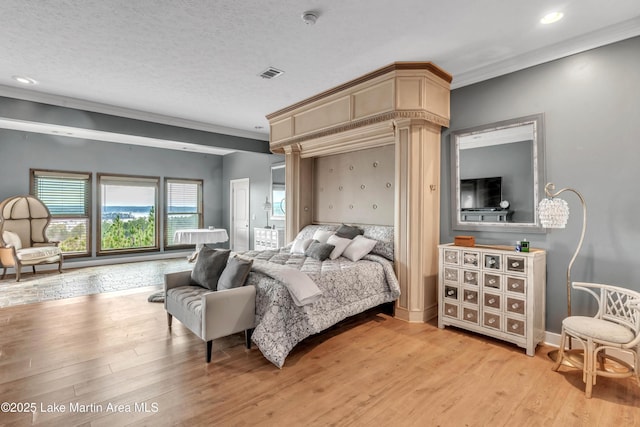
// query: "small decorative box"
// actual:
[[465, 241]]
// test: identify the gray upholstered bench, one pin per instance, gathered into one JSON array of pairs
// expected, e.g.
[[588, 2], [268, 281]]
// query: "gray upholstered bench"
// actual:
[[209, 314]]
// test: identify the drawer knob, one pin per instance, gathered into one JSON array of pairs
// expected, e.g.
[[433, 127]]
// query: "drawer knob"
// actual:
[[470, 297], [469, 315], [514, 285], [514, 326], [492, 321], [450, 292], [492, 300], [492, 261], [515, 305], [515, 264], [492, 281], [449, 311]]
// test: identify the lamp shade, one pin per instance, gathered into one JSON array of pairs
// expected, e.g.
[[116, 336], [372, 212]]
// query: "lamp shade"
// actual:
[[553, 213], [267, 205]]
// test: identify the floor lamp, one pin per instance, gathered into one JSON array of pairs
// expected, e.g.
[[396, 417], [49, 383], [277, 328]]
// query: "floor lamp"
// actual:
[[554, 213]]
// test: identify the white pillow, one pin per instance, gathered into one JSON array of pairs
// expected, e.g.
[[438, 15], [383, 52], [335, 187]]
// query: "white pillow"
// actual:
[[300, 246], [340, 243], [322, 235], [12, 238], [359, 247]]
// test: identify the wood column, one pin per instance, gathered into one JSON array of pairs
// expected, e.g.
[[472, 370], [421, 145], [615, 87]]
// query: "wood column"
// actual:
[[417, 225], [298, 182]]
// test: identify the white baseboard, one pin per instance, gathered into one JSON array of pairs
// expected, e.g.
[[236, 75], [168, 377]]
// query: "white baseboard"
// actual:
[[107, 261]]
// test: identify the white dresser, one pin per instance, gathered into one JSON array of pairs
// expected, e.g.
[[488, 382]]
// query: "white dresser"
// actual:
[[495, 291], [268, 238]]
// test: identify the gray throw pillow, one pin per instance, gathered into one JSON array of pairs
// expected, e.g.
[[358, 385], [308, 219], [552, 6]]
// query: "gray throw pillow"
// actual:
[[209, 267], [348, 231], [235, 273], [319, 251]]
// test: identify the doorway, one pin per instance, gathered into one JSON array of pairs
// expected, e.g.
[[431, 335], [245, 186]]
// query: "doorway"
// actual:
[[239, 221]]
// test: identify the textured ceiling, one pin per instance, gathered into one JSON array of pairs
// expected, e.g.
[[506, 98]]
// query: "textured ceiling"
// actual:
[[196, 62]]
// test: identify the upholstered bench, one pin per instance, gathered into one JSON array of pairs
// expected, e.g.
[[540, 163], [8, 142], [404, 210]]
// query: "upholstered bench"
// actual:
[[209, 314]]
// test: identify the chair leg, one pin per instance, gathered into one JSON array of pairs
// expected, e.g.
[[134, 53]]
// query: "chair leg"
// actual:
[[209, 348], [18, 268], [169, 319], [60, 266], [247, 338], [4, 273], [563, 338], [589, 367], [33, 267]]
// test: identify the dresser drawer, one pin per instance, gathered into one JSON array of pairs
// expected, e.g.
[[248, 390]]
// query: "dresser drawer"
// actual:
[[451, 274], [450, 310], [470, 259], [451, 256], [470, 315], [493, 262], [492, 300], [516, 264], [516, 284], [493, 281], [492, 320], [515, 305], [470, 296], [515, 326], [470, 277], [451, 292]]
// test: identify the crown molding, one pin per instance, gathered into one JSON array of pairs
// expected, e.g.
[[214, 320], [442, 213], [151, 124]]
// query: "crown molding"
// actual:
[[622, 31], [79, 104]]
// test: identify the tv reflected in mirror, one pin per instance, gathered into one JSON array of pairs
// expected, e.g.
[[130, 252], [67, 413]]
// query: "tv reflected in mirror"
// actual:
[[480, 193]]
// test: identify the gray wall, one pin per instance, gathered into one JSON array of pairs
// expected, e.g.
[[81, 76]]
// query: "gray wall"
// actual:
[[256, 167], [591, 103], [20, 151]]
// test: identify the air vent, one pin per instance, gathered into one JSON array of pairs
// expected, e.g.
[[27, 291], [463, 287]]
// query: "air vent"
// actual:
[[270, 73]]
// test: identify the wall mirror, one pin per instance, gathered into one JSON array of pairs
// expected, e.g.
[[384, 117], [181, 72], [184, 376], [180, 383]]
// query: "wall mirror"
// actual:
[[496, 175], [278, 208]]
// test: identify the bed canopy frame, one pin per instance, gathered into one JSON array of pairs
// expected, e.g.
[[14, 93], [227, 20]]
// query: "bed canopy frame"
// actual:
[[404, 105]]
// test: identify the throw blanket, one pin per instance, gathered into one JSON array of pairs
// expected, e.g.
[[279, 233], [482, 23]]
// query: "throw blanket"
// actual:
[[303, 290]]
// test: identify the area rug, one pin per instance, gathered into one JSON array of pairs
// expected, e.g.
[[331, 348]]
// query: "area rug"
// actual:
[[74, 282], [156, 296]]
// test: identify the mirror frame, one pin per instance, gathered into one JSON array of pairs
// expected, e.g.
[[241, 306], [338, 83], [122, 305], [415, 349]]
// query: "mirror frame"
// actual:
[[537, 120], [273, 202]]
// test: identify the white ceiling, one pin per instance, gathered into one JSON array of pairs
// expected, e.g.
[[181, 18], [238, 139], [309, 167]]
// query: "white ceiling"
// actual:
[[195, 63]]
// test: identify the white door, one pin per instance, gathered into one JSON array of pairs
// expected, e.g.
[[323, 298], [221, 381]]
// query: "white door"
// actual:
[[239, 214]]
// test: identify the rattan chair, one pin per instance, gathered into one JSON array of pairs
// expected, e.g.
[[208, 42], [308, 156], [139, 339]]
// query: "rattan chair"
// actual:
[[615, 327]]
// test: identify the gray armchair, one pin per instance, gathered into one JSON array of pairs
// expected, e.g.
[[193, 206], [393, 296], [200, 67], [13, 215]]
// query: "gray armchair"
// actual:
[[209, 314], [23, 240]]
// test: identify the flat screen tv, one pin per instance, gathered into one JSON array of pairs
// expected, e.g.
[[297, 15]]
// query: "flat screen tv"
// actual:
[[480, 193]]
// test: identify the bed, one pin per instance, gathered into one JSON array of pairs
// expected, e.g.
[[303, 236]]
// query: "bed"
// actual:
[[347, 287]]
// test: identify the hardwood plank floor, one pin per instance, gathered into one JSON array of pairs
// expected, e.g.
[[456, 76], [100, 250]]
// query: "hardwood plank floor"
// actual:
[[91, 353]]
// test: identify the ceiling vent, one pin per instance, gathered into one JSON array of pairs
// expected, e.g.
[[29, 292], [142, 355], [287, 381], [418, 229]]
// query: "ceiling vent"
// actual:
[[270, 73]]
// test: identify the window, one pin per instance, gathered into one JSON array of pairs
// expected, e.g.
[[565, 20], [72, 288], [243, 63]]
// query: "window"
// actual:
[[183, 206], [68, 197], [128, 207]]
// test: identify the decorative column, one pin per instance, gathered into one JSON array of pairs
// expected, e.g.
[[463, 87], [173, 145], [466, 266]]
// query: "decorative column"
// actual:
[[417, 223]]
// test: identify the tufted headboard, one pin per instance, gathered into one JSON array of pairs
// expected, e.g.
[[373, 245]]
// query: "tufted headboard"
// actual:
[[355, 187]]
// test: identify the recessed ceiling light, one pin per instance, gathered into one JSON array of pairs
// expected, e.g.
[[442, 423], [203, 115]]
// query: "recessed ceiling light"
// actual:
[[552, 17], [24, 80]]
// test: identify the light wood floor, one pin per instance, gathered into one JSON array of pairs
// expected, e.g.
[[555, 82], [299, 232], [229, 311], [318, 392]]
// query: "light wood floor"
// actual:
[[115, 349]]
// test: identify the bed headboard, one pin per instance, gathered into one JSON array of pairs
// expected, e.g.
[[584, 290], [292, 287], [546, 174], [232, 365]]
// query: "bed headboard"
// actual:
[[355, 187]]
